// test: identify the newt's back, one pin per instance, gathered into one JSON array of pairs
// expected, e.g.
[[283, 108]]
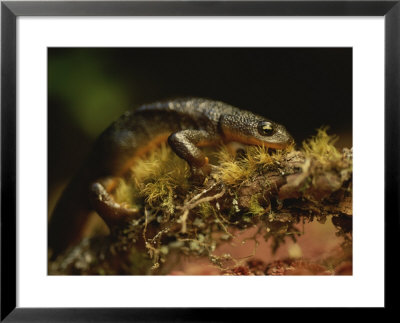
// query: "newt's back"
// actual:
[[139, 131]]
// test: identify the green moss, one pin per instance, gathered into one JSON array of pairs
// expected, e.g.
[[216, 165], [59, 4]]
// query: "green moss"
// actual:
[[322, 147], [255, 207], [205, 209], [234, 171], [126, 193], [160, 177]]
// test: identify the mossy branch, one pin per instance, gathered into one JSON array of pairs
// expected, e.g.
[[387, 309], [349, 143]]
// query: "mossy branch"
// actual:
[[272, 191]]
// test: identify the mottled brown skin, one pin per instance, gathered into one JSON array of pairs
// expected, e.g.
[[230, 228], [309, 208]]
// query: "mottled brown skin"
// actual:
[[186, 124]]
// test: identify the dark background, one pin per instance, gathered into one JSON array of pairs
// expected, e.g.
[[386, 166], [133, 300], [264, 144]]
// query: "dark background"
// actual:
[[88, 88]]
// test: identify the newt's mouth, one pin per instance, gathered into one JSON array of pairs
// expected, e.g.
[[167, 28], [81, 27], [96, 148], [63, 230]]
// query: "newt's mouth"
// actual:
[[251, 140]]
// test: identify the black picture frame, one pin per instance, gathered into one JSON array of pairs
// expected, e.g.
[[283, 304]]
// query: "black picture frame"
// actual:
[[10, 10]]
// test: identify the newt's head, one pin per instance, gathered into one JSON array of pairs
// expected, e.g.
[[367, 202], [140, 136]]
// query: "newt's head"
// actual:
[[250, 129]]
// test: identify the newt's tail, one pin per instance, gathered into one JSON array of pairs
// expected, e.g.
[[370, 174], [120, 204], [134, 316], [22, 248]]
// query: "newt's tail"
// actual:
[[70, 215]]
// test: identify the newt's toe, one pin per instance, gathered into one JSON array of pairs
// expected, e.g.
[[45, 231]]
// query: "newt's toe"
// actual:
[[199, 174]]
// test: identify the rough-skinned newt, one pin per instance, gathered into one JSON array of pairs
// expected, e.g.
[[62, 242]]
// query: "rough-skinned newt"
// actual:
[[186, 124]]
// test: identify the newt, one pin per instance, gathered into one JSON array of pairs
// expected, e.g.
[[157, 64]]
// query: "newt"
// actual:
[[186, 124]]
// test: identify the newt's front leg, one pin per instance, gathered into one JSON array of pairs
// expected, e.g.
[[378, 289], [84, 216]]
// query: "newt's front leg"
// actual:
[[185, 144]]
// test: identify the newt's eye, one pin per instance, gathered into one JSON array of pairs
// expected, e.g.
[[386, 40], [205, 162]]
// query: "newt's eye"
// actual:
[[265, 128]]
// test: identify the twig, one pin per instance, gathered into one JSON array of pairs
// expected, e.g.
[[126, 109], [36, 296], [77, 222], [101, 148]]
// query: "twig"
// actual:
[[192, 205]]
